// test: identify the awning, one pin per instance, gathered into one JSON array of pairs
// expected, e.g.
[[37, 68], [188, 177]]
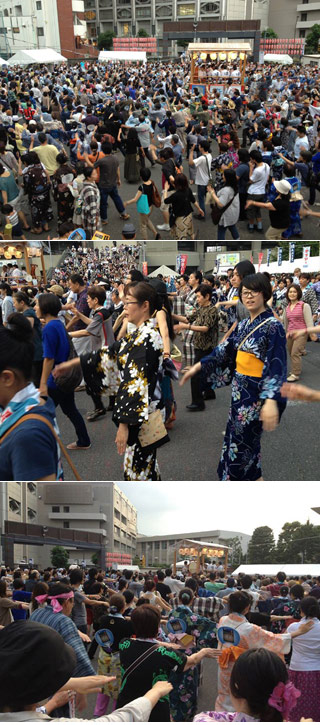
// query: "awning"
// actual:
[[39, 55]]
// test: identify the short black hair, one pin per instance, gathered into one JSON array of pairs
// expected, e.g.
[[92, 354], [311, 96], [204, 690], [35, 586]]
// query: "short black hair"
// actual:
[[257, 283], [49, 304], [77, 279], [205, 290], [76, 576], [16, 345], [239, 601]]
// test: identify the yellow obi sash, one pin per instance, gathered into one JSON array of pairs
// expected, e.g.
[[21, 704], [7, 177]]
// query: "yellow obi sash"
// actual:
[[230, 655], [249, 364]]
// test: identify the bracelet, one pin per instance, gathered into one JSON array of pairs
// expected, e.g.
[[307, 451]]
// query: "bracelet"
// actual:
[[166, 354]]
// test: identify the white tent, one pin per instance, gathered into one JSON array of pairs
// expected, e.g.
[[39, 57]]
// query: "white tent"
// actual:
[[3, 62], [272, 569], [39, 55], [278, 58], [289, 267], [166, 271], [132, 55]]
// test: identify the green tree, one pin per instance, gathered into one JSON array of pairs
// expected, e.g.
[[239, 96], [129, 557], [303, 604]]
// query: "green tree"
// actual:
[[299, 543], [105, 40], [269, 33], [95, 559], [261, 549], [312, 40], [236, 553], [59, 557], [143, 33], [183, 43]]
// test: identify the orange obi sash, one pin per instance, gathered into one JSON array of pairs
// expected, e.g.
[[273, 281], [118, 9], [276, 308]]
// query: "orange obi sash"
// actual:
[[229, 655], [249, 364]]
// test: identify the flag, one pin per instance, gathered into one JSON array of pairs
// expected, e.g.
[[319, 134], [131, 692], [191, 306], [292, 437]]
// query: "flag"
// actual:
[[184, 259], [292, 247], [251, 259], [178, 263], [217, 264], [268, 256], [306, 256], [260, 258], [279, 256]]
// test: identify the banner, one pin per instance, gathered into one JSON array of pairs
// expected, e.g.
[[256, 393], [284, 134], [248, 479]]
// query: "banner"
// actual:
[[292, 247], [306, 256], [251, 259], [145, 269], [268, 256], [217, 264], [183, 265], [178, 263], [260, 258], [279, 256]]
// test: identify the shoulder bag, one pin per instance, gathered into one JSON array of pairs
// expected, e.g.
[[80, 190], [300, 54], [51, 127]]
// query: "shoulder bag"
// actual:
[[217, 212], [152, 430], [72, 378], [156, 198]]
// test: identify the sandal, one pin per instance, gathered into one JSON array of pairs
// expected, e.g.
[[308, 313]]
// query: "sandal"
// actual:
[[98, 413], [74, 447]]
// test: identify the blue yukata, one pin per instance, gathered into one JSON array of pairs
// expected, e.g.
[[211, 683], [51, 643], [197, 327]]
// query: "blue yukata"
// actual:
[[240, 458], [183, 698]]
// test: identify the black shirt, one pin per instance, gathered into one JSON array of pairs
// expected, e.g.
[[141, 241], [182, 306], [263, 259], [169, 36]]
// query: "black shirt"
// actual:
[[280, 218], [164, 590], [157, 666], [181, 202], [148, 190], [119, 627]]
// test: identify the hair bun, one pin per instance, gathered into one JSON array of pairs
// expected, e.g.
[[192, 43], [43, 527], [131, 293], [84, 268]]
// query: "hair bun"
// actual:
[[19, 327]]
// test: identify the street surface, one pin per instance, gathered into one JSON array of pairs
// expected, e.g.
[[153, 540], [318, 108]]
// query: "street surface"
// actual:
[[288, 453]]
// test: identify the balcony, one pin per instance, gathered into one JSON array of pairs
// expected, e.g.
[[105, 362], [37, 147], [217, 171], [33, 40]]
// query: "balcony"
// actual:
[[307, 7], [77, 516], [305, 23]]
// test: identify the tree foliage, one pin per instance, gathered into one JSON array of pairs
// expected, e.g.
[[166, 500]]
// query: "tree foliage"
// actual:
[[312, 39], [105, 40], [143, 33], [59, 557], [269, 33], [299, 543], [261, 549], [95, 559]]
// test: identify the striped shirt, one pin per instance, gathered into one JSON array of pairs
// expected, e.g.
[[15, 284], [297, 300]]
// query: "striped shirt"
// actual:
[[296, 317], [68, 631], [209, 607]]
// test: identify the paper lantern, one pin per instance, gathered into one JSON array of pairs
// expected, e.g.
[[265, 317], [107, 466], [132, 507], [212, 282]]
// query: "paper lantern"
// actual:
[[233, 55], [213, 56], [194, 55], [242, 56], [222, 56], [203, 56]]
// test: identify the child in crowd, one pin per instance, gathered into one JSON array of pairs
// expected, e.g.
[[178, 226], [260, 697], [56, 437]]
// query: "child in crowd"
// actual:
[[12, 218]]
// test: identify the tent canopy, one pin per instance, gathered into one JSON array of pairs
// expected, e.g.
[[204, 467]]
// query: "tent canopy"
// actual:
[[278, 58], [3, 62], [166, 271], [289, 267], [123, 55], [272, 569], [39, 55]]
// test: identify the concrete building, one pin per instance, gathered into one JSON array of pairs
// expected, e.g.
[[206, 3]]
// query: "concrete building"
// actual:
[[97, 507], [292, 19], [30, 24], [160, 549], [19, 503], [127, 17]]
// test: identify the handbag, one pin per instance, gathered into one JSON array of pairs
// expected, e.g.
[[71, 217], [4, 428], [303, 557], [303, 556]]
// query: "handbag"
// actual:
[[217, 212], [156, 198], [152, 430], [36, 416], [70, 380], [143, 204]]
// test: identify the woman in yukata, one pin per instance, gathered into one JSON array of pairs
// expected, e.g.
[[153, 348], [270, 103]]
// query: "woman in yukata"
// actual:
[[132, 370], [254, 360], [259, 690], [236, 634]]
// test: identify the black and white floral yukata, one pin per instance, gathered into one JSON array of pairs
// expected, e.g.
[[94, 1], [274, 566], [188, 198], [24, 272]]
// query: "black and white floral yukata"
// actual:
[[131, 369]]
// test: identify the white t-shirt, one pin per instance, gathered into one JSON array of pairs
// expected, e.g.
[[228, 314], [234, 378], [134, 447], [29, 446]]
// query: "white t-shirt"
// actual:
[[255, 597], [203, 166], [306, 648], [174, 584], [259, 178], [299, 144]]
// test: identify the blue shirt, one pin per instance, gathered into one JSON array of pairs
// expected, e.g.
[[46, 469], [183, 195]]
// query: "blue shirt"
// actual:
[[19, 595], [56, 345], [68, 631]]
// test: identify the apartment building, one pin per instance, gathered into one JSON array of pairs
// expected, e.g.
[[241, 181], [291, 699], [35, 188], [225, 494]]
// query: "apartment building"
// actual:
[[19, 503], [292, 19]]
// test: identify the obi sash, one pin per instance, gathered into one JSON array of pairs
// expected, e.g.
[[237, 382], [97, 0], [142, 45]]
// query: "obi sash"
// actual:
[[230, 655], [249, 364]]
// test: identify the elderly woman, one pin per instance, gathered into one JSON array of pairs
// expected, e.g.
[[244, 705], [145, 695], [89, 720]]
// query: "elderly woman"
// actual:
[[131, 369]]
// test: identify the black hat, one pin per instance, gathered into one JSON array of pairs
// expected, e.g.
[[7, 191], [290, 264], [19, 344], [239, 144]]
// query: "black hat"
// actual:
[[34, 663]]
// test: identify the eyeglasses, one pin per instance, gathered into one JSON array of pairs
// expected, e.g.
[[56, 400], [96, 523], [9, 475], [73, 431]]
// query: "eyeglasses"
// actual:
[[246, 295], [126, 304]]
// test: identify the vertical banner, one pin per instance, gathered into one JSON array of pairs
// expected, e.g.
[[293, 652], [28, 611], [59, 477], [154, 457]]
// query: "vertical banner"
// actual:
[[251, 259], [145, 269], [268, 256], [306, 256], [260, 258], [178, 263], [217, 264], [292, 247], [279, 256], [183, 266]]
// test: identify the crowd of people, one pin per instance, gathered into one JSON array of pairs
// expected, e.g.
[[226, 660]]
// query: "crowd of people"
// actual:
[[153, 631], [62, 132], [101, 326]]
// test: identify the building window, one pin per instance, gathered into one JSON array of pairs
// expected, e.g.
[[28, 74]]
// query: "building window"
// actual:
[[66, 525], [14, 506], [55, 509], [123, 520], [18, 11], [163, 544], [40, 32], [66, 509], [117, 513], [304, 17], [302, 33], [185, 10], [39, 5], [31, 487], [15, 30], [5, 13], [143, 12], [31, 514], [157, 545]]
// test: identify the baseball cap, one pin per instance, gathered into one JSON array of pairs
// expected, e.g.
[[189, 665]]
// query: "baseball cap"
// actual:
[[57, 290]]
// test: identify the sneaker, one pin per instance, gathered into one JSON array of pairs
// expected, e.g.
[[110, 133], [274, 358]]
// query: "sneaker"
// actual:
[[74, 447], [96, 414], [125, 216], [292, 378], [164, 227]]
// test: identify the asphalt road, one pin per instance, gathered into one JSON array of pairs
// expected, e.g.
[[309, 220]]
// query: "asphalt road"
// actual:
[[206, 697], [196, 439], [205, 229]]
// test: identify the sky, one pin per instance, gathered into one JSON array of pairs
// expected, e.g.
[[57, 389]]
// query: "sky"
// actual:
[[183, 507]]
